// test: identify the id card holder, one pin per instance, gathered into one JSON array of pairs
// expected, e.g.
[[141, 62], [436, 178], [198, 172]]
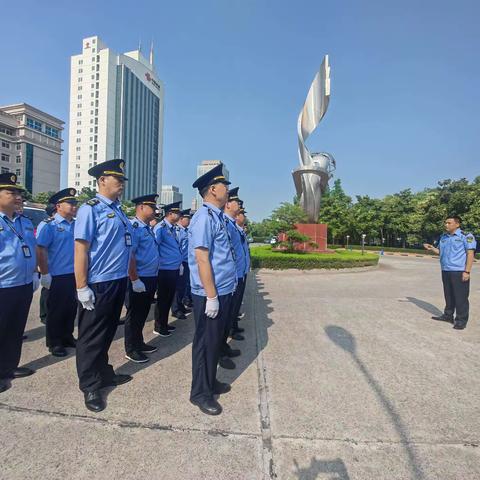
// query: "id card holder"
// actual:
[[128, 239], [26, 251]]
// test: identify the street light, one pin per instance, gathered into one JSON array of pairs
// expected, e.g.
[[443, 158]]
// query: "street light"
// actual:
[[363, 243], [348, 238]]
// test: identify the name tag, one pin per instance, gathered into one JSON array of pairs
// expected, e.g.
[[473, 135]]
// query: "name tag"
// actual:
[[26, 251], [128, 240]]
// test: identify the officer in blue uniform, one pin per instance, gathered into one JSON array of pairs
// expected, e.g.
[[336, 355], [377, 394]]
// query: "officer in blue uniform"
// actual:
[[240, 223], [457, 251], [143, 275], [182, 293], [103, 244], [170, 267], [213, 280], [50, 211], [18, 278], [55, 247]]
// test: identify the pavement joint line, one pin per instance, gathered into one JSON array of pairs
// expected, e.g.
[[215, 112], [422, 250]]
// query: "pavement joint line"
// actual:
[[268, 463], [128, 424]]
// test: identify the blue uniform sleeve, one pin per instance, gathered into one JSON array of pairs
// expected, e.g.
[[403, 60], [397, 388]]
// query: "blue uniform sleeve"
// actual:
[[469, 242], [85, 224], [45, 236], [201, 233]]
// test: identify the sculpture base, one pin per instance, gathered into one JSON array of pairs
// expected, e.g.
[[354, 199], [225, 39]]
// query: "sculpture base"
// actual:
[[317, 232]]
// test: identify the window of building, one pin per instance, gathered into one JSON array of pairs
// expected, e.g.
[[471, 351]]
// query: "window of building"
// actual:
[[94, 40], [92, 104], [5, 144], [18, 159], [19, 146], [79, 97], [95, 157], [78, 149], [7, 131], [92, 85], [79, 79], [79, 132], [79, 105], [80, 62], [52, 132], [92, 94], [79, 122], [77, 157], [79, 114], [35, 124], [77, 165], [79, 88], [5, 157], [18, 171], [77, 175], [93, 77], [98, 58], [78, 140], [77, 184], [80, 70], [93, 50], [5, 169]]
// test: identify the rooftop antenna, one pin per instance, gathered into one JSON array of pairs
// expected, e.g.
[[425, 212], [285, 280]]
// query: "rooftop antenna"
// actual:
[[140, 45], [151, 54]]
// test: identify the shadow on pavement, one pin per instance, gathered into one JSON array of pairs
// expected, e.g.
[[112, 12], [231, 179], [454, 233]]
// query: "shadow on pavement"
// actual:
[[346, 341], [35, 334], [335, 467], [428, 307]]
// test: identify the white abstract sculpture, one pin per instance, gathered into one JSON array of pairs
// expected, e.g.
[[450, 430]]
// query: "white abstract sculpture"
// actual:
[[316, 169]]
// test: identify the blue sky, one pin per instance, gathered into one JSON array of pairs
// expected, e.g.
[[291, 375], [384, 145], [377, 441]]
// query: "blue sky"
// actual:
[[405, 101]]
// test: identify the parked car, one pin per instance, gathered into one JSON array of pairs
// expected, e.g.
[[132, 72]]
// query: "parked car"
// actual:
[[36, 215]]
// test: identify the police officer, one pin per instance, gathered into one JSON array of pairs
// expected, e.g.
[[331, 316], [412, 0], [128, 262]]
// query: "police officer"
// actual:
[[103, 244], [143, 275], [457, 251], [55, 260], [170, 267], [50, 211], [240, 223], [213, 280], [182, 292], [18, 278]]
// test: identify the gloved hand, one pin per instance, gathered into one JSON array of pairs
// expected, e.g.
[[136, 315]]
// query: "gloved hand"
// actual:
[[138, 286], [46, 281], [35, 282], [181, 269], [212, 307], [86, 297]]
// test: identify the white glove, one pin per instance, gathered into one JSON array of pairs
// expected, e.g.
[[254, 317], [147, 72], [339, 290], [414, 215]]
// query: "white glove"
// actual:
[[138, 286], [35, 282], [181, 269], [86, 297], [46, 281], [212, 307]]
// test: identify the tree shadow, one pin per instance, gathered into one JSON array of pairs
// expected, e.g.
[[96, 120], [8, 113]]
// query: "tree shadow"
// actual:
[[428, 307], [48, 360], [335, 467], [346, 341]]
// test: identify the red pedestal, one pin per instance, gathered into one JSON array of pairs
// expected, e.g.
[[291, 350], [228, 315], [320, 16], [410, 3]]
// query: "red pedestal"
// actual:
[[317, 232]]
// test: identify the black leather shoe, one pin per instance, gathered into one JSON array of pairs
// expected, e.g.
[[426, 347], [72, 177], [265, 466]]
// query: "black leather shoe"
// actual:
[[171, 328], [70, 343], [226, 363], [148, 348], [221, 388], [459, 326], [238, 330], [179, 315], [4, 385], [24, 337], [187, 310], [117, 380], [442, 318], [188, 304], [162, 333], [121, 321], [209, 407], [233, 352], [58, 351], [21, 372], [237, 336], [137, 357], [94, 401]]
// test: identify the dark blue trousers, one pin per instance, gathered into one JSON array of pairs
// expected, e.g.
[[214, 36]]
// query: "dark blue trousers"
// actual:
[[61, 309], [166, 286], [14, 307], [181, 291], [456, 296], [96, 329], [206, 346], [138, 308]]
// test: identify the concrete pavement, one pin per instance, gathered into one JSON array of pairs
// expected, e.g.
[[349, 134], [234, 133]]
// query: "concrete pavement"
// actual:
[[343, 375]]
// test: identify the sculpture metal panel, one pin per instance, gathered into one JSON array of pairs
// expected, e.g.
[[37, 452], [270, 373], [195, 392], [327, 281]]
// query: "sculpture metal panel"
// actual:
[[316, 169]]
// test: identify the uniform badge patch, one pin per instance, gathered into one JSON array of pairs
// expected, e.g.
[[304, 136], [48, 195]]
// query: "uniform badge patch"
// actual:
[[469, 239], [110, 215]]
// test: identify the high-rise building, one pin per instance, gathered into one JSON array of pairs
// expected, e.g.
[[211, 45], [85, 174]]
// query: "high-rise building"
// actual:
[[116, 111], [205, 167], [170, 194], [195, 205], [31, 147]]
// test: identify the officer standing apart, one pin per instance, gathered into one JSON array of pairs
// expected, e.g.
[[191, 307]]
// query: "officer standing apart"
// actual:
[[457, 252], [170, 267], [55, 260], [103, 244], [18, 278], [183, 284], [143, 275], [213, 280]]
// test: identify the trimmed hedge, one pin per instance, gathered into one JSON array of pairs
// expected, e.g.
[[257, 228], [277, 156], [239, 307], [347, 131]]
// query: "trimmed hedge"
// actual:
[[264, 257]]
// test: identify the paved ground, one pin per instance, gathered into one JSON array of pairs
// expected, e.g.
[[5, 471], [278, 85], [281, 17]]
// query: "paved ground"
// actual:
[[343, 376]]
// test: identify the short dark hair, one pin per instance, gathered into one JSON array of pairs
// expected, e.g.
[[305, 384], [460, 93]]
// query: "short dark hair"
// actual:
[[204, 191], [456, 218]]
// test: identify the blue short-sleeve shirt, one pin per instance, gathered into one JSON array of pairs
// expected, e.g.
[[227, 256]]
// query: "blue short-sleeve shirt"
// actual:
[[168, 245], [246, 248], [208, 230], [236, 239], [453, 250], [57, 237], [183, 241], [146, 249], [103, 224], [15, 268]]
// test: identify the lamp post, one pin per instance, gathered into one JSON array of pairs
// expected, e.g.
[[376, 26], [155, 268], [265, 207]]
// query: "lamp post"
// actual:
[[348, 238], [363, 243]]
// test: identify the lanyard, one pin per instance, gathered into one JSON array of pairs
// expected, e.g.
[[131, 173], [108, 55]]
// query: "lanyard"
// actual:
[[13, 229]]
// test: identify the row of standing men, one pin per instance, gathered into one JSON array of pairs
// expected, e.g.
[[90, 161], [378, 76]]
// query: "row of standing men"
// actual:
[[95, 260]]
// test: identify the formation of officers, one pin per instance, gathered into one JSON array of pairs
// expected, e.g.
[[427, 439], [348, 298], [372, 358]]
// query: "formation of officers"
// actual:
[[93, 260]]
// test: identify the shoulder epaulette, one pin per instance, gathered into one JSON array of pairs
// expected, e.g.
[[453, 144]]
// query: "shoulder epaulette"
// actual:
[[94, 201], [25, 216], [48, 220], [162, 224], [135, 224]]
